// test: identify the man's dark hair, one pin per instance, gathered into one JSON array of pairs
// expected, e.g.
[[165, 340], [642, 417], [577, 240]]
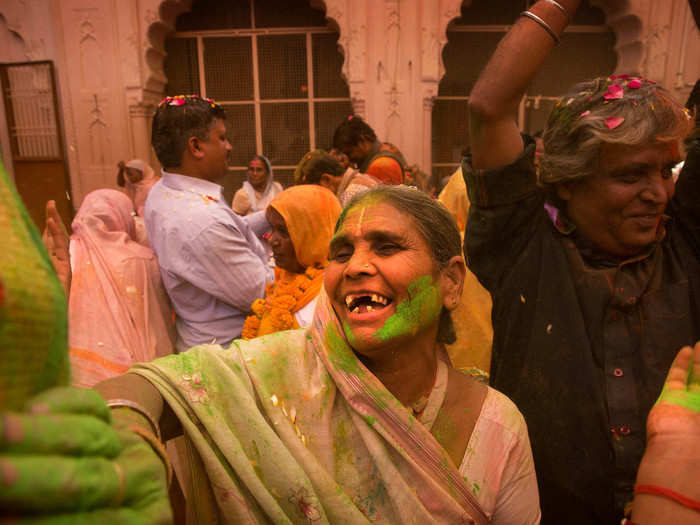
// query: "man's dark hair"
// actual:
[[313, 165], [351, 131], [176, 120]]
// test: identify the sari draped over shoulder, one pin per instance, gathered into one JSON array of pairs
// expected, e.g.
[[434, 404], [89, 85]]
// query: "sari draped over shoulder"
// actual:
[[118, 310], [310, 213], [293, 428]]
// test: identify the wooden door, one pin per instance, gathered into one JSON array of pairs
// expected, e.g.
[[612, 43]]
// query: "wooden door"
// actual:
[[41, 174]]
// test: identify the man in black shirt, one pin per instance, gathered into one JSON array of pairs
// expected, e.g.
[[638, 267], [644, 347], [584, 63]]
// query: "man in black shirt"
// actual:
[[593, 266]]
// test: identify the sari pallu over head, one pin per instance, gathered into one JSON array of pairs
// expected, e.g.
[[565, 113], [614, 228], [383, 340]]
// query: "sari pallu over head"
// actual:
[[259, 202], [118, 310], [310, 213], [293, 428]]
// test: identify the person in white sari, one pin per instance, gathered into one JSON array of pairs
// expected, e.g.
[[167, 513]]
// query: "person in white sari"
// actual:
[[258, 190]]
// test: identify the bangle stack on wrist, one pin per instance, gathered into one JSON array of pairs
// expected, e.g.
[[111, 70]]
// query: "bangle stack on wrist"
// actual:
[[545, 25]]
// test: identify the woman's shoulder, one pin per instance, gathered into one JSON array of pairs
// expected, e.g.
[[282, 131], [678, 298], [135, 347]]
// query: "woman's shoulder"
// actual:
[[498, 410]]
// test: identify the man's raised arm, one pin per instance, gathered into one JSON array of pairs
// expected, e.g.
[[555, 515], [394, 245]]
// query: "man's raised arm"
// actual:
[[493, 103]]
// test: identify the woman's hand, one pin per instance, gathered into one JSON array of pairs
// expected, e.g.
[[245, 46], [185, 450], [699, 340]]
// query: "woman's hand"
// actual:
[[672, 456], [62, 461], [56, 240]]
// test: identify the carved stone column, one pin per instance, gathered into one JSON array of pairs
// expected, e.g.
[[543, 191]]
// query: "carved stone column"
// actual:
[[140, 119]]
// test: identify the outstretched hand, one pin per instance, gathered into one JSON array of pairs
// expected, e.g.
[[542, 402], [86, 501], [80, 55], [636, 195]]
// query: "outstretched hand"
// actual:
[[672, 456], [56, 240], [676, 414], [62, 461]]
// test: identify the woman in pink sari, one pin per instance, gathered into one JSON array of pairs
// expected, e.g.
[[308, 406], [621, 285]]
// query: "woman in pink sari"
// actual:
[[118, 310]]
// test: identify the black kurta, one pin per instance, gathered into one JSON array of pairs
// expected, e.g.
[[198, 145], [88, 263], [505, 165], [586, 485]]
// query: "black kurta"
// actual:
[[581, 344]]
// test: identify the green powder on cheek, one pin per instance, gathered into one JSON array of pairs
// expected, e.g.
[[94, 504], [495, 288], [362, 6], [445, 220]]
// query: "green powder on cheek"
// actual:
[[422, 307]]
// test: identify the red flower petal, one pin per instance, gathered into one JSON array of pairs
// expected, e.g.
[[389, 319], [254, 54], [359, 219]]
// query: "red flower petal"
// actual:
[[587, 112], [614, 91], [634, 84], [613, 122]]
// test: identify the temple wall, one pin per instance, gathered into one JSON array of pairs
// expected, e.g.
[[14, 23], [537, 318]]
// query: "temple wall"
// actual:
[[109, 55]]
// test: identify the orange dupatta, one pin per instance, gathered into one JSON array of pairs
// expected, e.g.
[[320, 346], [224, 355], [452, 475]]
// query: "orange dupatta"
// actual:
[[310, 213]]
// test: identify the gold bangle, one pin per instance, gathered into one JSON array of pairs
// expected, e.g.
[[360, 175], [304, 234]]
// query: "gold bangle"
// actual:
[[127, 403], [542, 23]]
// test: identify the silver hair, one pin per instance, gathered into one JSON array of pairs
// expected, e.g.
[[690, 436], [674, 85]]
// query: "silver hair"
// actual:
[[578, 125]]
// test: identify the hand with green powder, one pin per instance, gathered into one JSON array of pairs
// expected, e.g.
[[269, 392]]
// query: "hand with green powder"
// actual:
[[672, 456], [63, 461]]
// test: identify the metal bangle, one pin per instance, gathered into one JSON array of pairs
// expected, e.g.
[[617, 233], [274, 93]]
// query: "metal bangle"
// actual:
[[561, 8], [121, 491], [127, 403], [542, 23]]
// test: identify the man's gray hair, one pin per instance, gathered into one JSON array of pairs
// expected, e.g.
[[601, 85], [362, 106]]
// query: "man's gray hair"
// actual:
[[589, 116]]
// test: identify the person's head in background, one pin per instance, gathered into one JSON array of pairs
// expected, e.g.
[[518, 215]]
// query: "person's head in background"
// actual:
[[355, 138], [189, 137], [321, 168], [341, 157], [259, 172]]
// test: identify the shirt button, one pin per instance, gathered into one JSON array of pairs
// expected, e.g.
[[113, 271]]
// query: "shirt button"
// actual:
[[618, 372], [625, 430]]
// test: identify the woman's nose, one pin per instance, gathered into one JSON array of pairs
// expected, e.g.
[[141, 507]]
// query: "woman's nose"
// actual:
[[360, 264]]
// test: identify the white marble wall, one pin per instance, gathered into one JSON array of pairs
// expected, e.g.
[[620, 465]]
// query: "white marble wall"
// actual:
[[109, 58]]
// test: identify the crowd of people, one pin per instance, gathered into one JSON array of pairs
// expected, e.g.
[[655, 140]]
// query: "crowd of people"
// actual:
[[523, 348]]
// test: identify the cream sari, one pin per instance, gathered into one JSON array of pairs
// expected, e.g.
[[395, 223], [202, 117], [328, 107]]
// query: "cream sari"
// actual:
[[293, 428]]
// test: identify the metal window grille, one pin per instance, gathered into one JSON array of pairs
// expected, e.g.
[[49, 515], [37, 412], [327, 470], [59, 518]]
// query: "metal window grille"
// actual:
[[586, 51], [32, 120], [275, 103]]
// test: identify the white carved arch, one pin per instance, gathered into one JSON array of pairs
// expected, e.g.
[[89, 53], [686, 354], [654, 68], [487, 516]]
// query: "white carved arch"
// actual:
[[158, 20], [624, 17]]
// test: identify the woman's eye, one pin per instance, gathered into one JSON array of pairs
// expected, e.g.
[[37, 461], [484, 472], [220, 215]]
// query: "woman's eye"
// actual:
[[388, 249], [342, 255]]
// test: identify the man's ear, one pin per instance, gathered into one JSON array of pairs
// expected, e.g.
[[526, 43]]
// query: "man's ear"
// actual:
[[564, 190], [194, 147], [452, 281]]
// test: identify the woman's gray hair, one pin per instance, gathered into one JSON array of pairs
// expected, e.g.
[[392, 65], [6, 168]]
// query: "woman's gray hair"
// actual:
[[578, 125], [432, 220]]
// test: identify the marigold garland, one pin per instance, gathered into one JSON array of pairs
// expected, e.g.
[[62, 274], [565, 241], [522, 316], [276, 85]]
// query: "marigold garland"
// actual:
[[280, 302]]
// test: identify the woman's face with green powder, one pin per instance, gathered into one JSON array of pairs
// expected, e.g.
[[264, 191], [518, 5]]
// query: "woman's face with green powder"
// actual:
[[381, 277]]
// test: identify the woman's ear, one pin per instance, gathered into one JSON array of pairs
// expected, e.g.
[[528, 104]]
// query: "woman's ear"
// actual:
[[452, 281], [326, 181]]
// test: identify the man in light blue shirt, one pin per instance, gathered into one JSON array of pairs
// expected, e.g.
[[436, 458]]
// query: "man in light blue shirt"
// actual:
[[212, 263]]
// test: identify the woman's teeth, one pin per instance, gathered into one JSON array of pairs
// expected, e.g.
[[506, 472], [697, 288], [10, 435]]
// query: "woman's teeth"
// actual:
[[365, 302]]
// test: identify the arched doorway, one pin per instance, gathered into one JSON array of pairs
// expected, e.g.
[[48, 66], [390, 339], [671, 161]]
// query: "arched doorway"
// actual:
[[273, 65], [586, 50]]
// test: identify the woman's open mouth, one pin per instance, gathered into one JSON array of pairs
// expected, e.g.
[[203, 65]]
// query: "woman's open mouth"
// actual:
[[362, 303]]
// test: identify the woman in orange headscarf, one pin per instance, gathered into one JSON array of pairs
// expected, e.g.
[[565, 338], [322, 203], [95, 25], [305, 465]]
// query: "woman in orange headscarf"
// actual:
[[302, 220]]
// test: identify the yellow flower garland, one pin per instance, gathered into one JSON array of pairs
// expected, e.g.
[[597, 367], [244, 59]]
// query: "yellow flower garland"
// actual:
[[279, 304]]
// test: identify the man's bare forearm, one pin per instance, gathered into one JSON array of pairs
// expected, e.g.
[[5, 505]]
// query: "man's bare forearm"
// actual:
[[493, 103]]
